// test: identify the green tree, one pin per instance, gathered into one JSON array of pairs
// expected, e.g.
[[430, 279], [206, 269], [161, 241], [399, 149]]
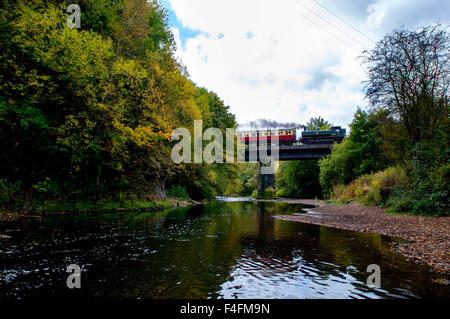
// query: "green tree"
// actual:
[[299, 179], [88, 113], [248, 177], [318, 122], [202, 180], [363, 152]]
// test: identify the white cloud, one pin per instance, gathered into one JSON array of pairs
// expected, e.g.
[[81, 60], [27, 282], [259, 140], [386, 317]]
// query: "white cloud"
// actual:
[[263, 58], [377, 13], [388, 14]]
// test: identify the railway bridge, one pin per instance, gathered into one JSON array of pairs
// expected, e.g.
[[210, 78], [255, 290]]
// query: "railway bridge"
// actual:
[[286, 153]]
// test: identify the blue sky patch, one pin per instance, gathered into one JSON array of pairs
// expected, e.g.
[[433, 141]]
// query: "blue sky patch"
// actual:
[[185, 33]]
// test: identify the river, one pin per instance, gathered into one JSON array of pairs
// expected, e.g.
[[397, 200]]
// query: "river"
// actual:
[[226, 249]]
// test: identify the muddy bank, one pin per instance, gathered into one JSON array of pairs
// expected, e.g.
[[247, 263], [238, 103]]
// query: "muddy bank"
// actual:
[[428, 238]]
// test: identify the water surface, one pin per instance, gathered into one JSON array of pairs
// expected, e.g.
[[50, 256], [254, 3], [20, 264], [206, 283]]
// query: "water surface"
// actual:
[[221, 250]]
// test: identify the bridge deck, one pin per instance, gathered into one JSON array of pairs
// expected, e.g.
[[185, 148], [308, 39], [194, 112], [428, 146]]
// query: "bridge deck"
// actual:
[[297, 152]]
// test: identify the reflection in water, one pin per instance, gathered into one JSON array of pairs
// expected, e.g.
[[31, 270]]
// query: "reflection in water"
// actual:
[[221, 250]]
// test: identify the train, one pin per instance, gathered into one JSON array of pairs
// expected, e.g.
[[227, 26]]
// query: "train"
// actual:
[[299, 135], [285, 136]]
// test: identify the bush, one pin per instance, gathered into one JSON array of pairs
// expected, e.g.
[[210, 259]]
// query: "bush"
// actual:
[[234, 189], [177, 191], [371, 189], [269, 193], [427, 192], [423, 192], [419, 202], [281, 193], [9, 192]]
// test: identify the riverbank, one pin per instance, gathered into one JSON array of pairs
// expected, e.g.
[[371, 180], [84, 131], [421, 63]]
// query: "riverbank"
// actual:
[[96, 207], [428, 238]]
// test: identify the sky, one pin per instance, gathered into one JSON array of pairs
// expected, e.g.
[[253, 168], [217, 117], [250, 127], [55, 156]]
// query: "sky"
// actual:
[[289, 60]]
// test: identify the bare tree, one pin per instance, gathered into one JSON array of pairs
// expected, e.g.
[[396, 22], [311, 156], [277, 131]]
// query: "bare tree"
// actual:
[[409, 76]]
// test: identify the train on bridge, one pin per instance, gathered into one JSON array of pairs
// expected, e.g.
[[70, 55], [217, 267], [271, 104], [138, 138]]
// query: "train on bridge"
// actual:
[[291, 136]]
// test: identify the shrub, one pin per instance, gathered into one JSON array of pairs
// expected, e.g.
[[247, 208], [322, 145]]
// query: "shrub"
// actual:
[[177, 191], [371, 189], [398, 202], [281, 192], [269, 193], [427, 191], [420, 200], [9, 192], [359, 193]]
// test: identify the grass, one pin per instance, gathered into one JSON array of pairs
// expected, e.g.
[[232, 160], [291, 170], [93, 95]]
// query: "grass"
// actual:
[[109, 206], [392, 211], [389, 210], [102, 206], [338, 202]]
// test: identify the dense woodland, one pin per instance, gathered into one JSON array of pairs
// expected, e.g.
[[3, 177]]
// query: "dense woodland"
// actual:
[[87, 114]]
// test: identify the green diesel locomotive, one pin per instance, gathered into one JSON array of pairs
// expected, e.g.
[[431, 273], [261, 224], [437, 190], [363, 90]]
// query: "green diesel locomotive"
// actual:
[[335, 134]]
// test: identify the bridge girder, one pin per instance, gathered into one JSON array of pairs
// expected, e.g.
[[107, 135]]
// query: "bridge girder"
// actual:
[[296, 152]]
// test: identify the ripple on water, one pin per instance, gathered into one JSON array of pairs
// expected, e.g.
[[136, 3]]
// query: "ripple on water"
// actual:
[[233, 249]]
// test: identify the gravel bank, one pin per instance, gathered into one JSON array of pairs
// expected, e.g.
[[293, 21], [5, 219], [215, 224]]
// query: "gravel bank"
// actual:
[[428, 237]]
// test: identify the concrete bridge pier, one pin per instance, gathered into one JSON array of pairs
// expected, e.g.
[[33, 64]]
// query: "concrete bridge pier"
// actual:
[[265, 181]]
